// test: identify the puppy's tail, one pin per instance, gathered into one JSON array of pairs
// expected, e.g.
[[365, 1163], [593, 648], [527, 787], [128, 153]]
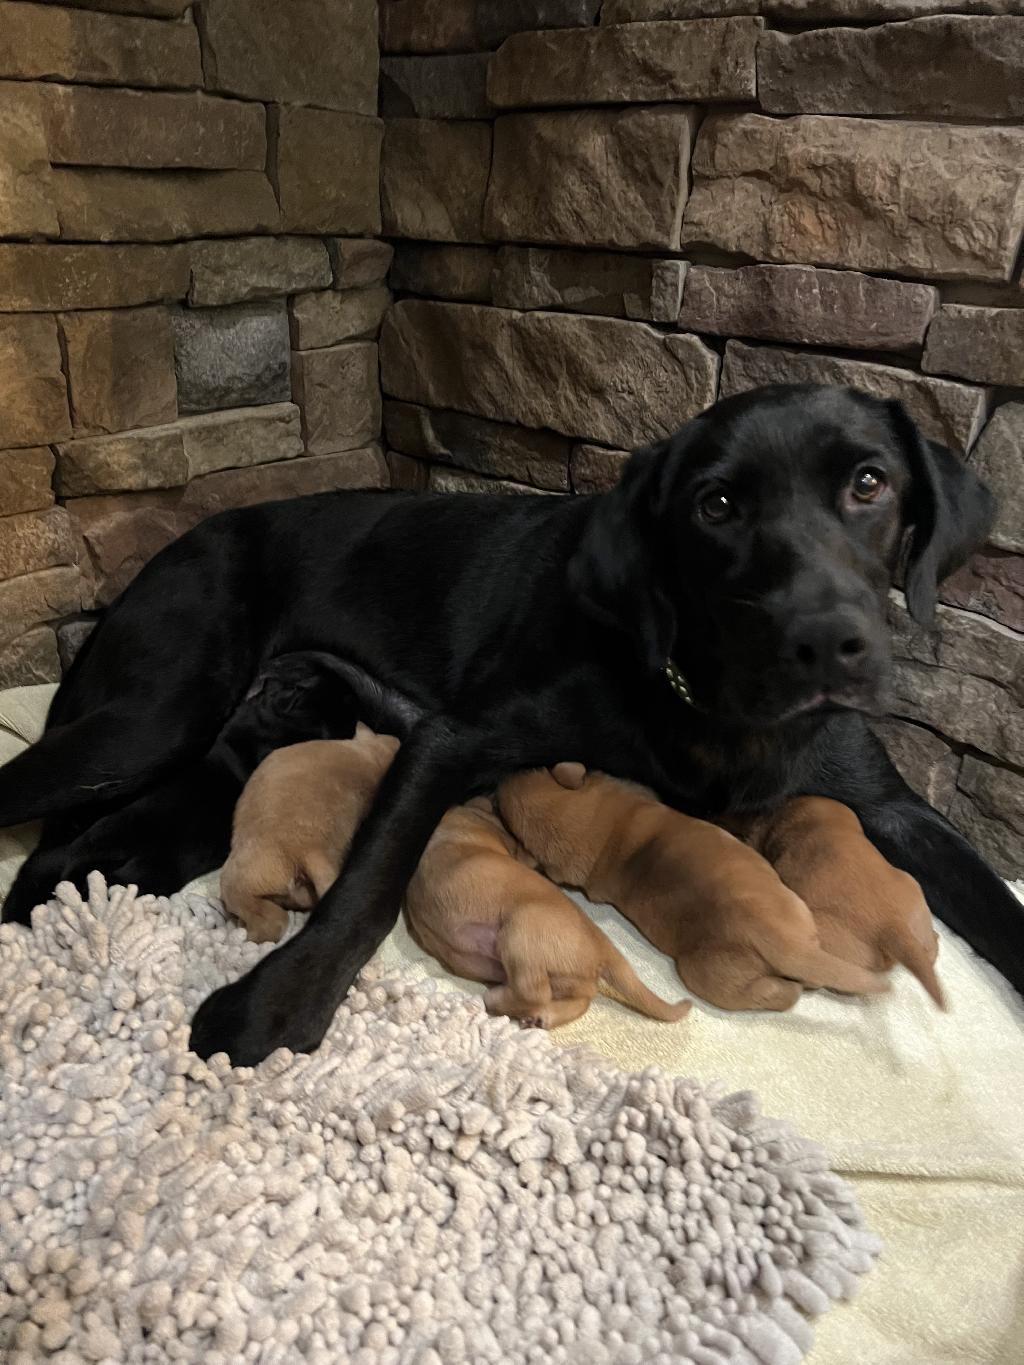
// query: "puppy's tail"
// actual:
[[624, 982], [904, 946], [815, 967]]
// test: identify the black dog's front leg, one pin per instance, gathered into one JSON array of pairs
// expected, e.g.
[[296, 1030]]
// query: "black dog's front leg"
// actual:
[[289, 999]]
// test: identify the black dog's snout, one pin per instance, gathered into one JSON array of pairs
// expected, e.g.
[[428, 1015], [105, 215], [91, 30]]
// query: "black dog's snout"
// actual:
[[830, 649]]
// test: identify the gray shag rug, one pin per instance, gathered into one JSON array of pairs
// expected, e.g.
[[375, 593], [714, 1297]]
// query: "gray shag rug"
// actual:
[[433, 1186]]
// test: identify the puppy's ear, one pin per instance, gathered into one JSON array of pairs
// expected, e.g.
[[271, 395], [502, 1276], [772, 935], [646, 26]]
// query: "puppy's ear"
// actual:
[[948, 511], [613, 572]]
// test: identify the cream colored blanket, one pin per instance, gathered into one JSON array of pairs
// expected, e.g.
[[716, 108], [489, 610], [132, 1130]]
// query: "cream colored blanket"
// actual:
[[924, 1112]]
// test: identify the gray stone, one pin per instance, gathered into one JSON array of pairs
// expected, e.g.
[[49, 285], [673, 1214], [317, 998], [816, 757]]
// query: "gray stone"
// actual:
[[989, 807], [448, 86], [923, 760], [255, 268], [589, 282], [338, 391], [496, 449], [31, 658], [999, 459], [455, 481], [860, 193], [547, 369], [462, 273], [434, 179], [991, 583], [428, 26], [813, 307], [359, 262], [945, 411], [231, 357], [71, 636], [611, 178], [800, 11], [497, 20], [333, 316], [644, 11], [707, 60], [595, 469], [986, 344], [912, 68]]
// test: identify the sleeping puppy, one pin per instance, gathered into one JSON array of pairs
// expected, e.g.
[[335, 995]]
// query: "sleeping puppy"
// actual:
[[739, 937], [476, 907]]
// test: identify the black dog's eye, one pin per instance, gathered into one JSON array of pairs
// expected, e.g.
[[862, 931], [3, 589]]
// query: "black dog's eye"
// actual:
[[868, 484], [717, 507]]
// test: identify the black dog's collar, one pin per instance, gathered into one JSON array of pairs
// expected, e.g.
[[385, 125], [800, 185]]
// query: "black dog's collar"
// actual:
[[679, 685]]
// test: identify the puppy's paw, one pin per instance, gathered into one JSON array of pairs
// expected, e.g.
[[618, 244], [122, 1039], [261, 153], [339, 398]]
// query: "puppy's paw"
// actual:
[[266, 925]]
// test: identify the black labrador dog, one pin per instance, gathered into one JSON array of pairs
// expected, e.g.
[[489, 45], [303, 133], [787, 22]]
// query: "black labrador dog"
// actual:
[[714, 627]]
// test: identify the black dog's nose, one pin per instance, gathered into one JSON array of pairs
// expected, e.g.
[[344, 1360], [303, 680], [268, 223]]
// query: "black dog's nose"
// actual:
[[829, 648]]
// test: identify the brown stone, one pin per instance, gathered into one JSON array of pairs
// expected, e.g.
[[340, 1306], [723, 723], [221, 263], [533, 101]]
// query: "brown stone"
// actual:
[[320, 52], [989, 807], [461, 273], [455, 481], [35, 540], [232, 357], [359, 468], [122, 534], [707, 60], [31, 658], [986, 344], [159, 206], [336, 315], [860, 193], [255, 268], [644, 11], [612, 178], [26, 195], [547, 369], [913, 68], [451, 85], [595, 469], [120, 369], [339, 394], [25, 480], [813, 307], [428, 26], [328, 171], [880, 10], [89, 126], [999, 459], [54, 275], [945, 411], [992, 583], [34, 410], [923, 760], [163, 9], [434, 179], [497, 20], [71, 636], [411, 475], [240, 438], [589, 282], [44, 42], [32, 598], [495, 449], [132, 460], [359, 262]]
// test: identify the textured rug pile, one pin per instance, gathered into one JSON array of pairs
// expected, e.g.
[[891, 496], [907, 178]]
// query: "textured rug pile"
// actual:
[[432, 1187]]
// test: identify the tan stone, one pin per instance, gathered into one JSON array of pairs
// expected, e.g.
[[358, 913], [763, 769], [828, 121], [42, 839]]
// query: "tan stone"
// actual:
[[813, 307], [359, 468], [240, 437], [428, 26], [986, 344], [923, 760], [25, 480], [434, 179], [328, 171], [122, 534], [163, 9], [31, 658], [339, 393], [595, 469], [497, 20], [159, 206], [32, 598], [455, 481], [612, 178], [707, 60], [589, 282], [120, 369], [319, 52], [945, 411], [35, 540], [644, 11], [255, 268], [992, 584], [495, 449], [989, 808], [449, 85], [53, 275], [552, 370], [860, 193], [34, 410], [999, 459], [26, 194], [462, 273], [359, 262], [406, 473], [47, 42], [333, 316], [132, 460]]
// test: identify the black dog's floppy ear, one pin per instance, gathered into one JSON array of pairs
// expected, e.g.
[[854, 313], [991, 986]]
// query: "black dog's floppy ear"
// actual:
[[949, 512], [613, 572]]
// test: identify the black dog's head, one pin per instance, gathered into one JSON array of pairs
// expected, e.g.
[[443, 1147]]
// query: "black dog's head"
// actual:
[[757, 545]]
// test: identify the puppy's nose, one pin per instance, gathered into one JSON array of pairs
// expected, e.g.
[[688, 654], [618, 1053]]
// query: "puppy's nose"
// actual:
[[829, 649]]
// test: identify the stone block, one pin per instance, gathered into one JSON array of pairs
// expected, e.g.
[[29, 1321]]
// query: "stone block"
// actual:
[[358, 262], [462, 273], [495, 449], [240, 438], [90, 126], [915, 68], [255, 268], [497, 20], [589, 282], [47, 276], [361, 468], [611, 178], [34, 410], [945, 411], [158, 9], [31, 658], [121, 534], [32, 598], [338, 391], [988, 806], [336, 315], [800, 11], [434, 179], [543, 369], [644, 11], [860, 193], [813, 307], [923, 760], [706, 60], [26, 192], [47, 42], [986, 344], [26, 480], [71, 636], [311, 52], [428, 26], [992, 584], [153, 457], [159, 206], [442, 480], [447, 86], [595, 469], [328, 171], [406, 473], [120, 368], [35, 540], [999, 459], [231, 357]]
